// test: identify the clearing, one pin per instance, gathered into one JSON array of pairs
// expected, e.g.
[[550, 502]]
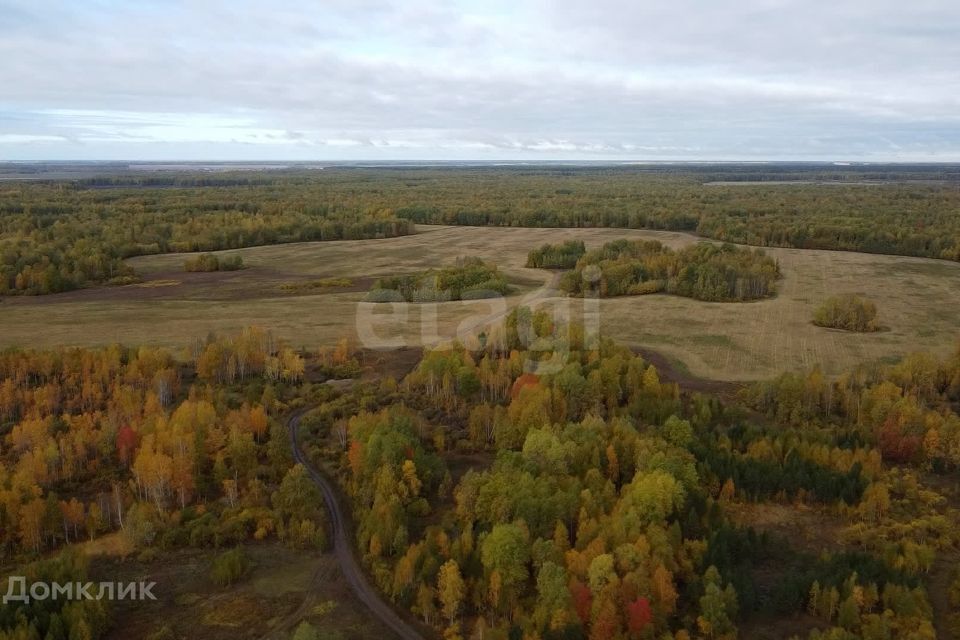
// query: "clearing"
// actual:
[[718, 341]]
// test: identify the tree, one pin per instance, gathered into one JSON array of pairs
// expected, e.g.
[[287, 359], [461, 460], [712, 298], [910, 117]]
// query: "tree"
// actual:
[[31, 523], [718, 607], [451, 589], [306, 631], [298, 497], [506, 550], [639, 615], [553, 596]]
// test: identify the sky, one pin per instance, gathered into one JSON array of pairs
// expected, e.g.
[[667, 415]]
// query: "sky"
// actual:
[[616, 80]]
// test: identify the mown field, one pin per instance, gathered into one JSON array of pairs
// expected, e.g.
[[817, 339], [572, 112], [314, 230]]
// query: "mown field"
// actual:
[[723, 341]]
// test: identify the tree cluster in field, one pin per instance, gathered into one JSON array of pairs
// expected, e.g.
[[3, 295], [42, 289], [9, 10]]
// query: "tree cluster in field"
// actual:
[[848, 312], [59, 236], [212, 262], [703, 271], [469, 279], [553, 256]]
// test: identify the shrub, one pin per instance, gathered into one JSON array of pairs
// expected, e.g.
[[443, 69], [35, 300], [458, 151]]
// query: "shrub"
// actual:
[[210, 262], [469, 279], [229, 567]]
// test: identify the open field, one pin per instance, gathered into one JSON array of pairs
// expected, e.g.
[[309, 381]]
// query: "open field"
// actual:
[[724, 341]]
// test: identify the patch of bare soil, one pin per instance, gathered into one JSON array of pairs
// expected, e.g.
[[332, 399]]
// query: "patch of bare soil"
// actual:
[[670, 372], [761, 628], [245, 284], [807, 528], [395, 363]]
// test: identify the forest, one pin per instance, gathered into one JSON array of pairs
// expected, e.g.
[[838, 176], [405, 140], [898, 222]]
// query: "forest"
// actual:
[[542, 484], [61, 235], [705, 271], [596, 502], [165, 452], [490, 492], [469, 279]]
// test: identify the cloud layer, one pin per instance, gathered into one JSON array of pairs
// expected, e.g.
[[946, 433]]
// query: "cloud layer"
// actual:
[[536, 79]]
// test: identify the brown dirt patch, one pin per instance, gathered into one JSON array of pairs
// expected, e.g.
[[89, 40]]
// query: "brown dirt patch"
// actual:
[[246, 284], [807, 528], [670, 372]]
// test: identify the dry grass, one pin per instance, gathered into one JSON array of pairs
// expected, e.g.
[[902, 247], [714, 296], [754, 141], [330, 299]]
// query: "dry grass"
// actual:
[[724, 341], [112, 545]]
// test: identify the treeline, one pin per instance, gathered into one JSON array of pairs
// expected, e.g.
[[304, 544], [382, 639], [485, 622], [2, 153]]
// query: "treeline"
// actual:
[[56, 238], [916, 219], [907, 410], [703, 271], [469, 279], [602, 510]]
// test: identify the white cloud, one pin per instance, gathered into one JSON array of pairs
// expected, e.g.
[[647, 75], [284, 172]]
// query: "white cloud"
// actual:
[[534, 78]]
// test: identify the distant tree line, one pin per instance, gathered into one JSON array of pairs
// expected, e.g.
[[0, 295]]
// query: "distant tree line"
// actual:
[[61, 235], [56, 237]]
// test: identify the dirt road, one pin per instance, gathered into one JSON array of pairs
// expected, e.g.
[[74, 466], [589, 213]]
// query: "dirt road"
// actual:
[[343, 548]]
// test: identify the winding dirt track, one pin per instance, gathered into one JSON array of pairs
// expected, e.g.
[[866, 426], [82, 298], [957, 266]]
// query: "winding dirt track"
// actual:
[[342, 547]]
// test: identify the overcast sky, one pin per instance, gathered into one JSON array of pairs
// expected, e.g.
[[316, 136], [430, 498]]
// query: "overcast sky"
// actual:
[[485, 80]]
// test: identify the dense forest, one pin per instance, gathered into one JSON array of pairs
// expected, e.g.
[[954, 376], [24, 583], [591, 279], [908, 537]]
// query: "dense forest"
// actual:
[[493, 491], [162, 452], [60, 235], [704, 271], [596, 502], [469, 279]]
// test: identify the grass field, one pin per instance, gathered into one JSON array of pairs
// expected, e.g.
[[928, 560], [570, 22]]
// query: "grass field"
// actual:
[[724, 341]]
